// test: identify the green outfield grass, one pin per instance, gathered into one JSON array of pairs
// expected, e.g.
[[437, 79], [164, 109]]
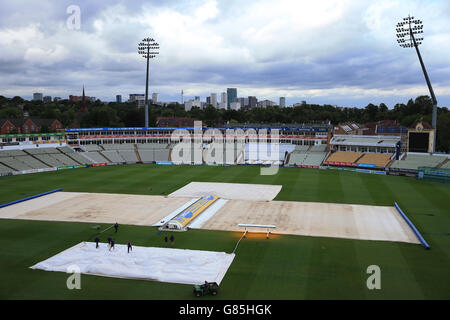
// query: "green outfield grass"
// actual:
[[284, 267]]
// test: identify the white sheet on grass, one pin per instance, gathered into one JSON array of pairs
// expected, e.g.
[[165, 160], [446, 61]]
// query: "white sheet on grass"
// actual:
[[149, 263]]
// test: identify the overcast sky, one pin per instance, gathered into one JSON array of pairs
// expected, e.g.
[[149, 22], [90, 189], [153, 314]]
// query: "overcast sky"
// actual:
[[337, 52]]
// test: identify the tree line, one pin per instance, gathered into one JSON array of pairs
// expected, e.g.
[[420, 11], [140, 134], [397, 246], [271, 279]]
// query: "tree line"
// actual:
[[126, 114]]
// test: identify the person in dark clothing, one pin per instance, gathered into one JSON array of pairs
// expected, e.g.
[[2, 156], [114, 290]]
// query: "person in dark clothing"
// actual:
[[96, 242], [116, 226], [129, 247], [172, 239], [165, 240], [112, 245], [109, 242]]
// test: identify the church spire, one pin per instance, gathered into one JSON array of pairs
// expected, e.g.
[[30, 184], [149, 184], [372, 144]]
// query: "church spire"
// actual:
[[83, 102]]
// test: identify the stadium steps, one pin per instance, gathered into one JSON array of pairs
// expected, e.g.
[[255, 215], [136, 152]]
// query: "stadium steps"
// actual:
[[6, 165], [37, 159], [443, 163], [388, 165], [68, 155], [356, 161], [137, 154], [101, 153], [288, 158]]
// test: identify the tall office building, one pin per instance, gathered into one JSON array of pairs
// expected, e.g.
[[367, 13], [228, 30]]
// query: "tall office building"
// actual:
[[38, 96], [119, 98], [47, 99], [154, 98], [282, 102], [252, 102], [208, 101], [214, 99], [223, 101], [231, 96]]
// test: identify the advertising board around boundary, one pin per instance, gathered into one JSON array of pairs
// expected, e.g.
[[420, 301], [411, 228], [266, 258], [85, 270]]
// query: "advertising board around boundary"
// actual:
[[358, 170]]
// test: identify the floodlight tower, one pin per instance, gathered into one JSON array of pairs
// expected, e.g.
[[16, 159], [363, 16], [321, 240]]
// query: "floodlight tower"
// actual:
[[406, 30], [148, 49]]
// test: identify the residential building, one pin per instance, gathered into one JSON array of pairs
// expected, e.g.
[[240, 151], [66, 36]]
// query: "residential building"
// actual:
[[119, 98], [47, 99], [28, 125], [282, 102]]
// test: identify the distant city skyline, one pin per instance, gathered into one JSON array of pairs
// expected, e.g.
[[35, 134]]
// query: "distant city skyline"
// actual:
[[325, 52]]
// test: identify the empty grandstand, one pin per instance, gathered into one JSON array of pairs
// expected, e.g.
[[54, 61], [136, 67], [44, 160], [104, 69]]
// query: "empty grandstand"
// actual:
[[413, 161], [35, 158], [229, 153], [266, 153], [343, 157], [380, 160], [308, 156]]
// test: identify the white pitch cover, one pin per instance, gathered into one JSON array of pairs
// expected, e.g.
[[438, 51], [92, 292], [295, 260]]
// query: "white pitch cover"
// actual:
[[146, 263]]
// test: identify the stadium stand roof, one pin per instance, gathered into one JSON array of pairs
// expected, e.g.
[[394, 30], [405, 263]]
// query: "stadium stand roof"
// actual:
[[371, 141]]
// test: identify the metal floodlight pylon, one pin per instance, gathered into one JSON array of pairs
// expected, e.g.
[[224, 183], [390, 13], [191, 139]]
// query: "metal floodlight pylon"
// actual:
[[406, 31], [148, 49]]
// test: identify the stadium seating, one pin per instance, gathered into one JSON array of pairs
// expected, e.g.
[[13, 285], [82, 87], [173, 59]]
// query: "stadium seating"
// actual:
[[152, 146], [162, 155], [414, 161], [32, 162], [113, 156], [446, 165], [128, 155], [34, 151], [178, 155], [381, 160], [341, 156], [210, 157], [150, 152], [65, 160], [79, 157], [5, 169], [147, 156], [96, 157], [308, 156], [92, 147], [124, 146], [301, 148], [12, 153], [48, 160], [15, 164]]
